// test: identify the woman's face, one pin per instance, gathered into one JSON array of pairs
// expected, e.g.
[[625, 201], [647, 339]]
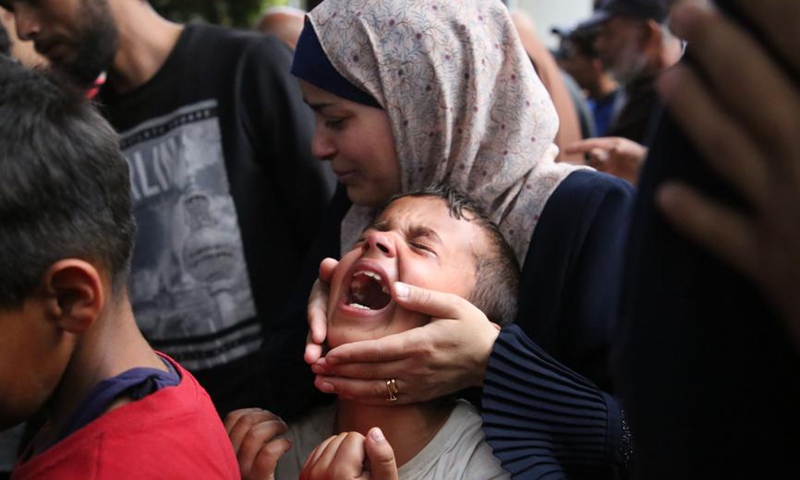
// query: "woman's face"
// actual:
[[358, 141]]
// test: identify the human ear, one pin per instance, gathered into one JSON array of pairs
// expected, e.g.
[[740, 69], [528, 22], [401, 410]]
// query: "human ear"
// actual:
[[75, 294], [651, 32]]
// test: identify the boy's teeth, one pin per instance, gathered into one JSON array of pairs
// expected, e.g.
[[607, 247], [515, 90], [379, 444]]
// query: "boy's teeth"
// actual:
[[369, 274], [359, 306]]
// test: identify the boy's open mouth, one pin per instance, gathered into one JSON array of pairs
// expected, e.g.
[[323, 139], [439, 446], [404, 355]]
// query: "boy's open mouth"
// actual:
[[368, 291]]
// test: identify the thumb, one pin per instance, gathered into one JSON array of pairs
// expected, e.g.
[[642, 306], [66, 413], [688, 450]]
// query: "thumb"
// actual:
[[326, 269], [429, 302], [381, 456]]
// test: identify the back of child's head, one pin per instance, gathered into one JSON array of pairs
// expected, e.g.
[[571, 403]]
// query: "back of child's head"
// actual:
[[497, 269], [65, 185]]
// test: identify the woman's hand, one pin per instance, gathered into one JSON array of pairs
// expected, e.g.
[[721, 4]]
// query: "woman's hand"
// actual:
[[744, 117], [318, 311], [253, 433], [445, 356], [342, 457]]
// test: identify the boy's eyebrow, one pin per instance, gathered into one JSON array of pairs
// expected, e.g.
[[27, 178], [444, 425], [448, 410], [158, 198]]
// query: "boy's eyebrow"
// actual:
[[380, 225], [415, 231]]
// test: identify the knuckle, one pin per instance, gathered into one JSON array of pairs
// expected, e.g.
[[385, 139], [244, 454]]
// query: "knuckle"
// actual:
[[379, 388], [252, 435], [273, 450]]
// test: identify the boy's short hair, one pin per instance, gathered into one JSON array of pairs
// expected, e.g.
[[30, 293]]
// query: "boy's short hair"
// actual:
[[65, 185], [498, 271]]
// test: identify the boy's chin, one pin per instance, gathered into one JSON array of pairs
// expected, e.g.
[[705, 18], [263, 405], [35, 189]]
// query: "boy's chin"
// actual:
[[337, 337]]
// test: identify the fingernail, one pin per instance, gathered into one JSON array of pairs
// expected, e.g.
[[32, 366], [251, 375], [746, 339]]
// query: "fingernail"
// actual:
[[377, 435], [326, 387], [400, 289]]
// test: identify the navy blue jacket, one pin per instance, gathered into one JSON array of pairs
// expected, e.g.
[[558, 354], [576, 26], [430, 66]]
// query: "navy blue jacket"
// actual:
[[541, 417]]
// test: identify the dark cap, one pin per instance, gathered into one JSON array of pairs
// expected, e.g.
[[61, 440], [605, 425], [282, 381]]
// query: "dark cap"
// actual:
[[657, 10], [579, 38]]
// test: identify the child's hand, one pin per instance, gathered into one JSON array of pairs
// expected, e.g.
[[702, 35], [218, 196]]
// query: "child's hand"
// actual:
[[342, 457], [318, 311], [253, 433]]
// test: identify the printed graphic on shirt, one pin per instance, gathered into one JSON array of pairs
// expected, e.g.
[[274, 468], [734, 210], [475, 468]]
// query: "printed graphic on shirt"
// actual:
[[189, 285]]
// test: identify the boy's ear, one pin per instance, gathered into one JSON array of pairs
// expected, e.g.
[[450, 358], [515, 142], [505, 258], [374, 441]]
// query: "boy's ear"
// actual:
[[75, 294]]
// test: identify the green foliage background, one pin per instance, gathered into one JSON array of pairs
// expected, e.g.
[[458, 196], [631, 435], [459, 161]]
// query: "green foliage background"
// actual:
[[232, 13]]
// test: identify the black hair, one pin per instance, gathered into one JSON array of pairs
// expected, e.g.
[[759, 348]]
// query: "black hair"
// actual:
[[65, 184], [497, 270]]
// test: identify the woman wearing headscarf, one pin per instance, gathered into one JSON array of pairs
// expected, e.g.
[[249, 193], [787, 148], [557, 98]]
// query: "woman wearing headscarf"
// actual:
[[412, 93]]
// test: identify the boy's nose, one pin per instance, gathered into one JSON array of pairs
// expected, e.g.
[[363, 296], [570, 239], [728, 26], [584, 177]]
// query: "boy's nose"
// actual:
[[380, 242]]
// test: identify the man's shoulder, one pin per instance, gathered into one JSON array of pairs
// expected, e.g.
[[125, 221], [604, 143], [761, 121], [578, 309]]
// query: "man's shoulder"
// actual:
[[229, 41]]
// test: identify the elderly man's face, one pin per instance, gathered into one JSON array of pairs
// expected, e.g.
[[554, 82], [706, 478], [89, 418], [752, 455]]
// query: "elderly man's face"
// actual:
[[620, 43], [78, 37]]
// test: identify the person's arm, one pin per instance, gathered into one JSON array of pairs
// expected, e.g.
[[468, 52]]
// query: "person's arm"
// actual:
[[544, 420], [571, 278], [280, 127]]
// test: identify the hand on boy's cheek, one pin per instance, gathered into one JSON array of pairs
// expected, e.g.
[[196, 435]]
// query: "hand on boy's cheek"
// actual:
[[317, 311]]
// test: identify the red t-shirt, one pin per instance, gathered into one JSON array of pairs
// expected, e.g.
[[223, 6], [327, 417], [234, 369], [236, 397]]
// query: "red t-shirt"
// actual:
[[174, 433]]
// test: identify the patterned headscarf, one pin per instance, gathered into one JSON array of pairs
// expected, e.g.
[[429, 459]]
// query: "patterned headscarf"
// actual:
[[464, 102]]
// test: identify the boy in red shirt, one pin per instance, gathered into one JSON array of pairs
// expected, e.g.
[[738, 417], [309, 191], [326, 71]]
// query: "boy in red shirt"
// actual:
[[70, 349]]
